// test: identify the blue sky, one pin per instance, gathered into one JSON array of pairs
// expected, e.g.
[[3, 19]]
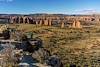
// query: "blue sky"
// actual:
[[49, 6]]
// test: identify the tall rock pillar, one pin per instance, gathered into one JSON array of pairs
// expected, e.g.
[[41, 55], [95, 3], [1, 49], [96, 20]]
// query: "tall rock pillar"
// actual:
[[24, 19], [36, 22], [28, 20], [50, 22], [74, 24], [40, 22], [78, 24], [46, 22], [62, 24]]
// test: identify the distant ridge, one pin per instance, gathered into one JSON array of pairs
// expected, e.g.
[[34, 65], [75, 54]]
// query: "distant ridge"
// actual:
[[45, 14]]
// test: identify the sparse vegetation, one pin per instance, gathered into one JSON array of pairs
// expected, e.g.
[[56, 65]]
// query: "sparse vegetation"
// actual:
[[78, 47]]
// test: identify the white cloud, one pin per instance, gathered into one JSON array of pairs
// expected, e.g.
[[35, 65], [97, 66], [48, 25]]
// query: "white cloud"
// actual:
[[9, 0], [6, 0], [87, 11]]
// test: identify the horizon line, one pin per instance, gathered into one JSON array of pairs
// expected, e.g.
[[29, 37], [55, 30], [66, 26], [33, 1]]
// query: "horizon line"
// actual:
[[52, 13]]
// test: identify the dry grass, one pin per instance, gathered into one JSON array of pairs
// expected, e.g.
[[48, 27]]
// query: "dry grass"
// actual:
[[73, 46]]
